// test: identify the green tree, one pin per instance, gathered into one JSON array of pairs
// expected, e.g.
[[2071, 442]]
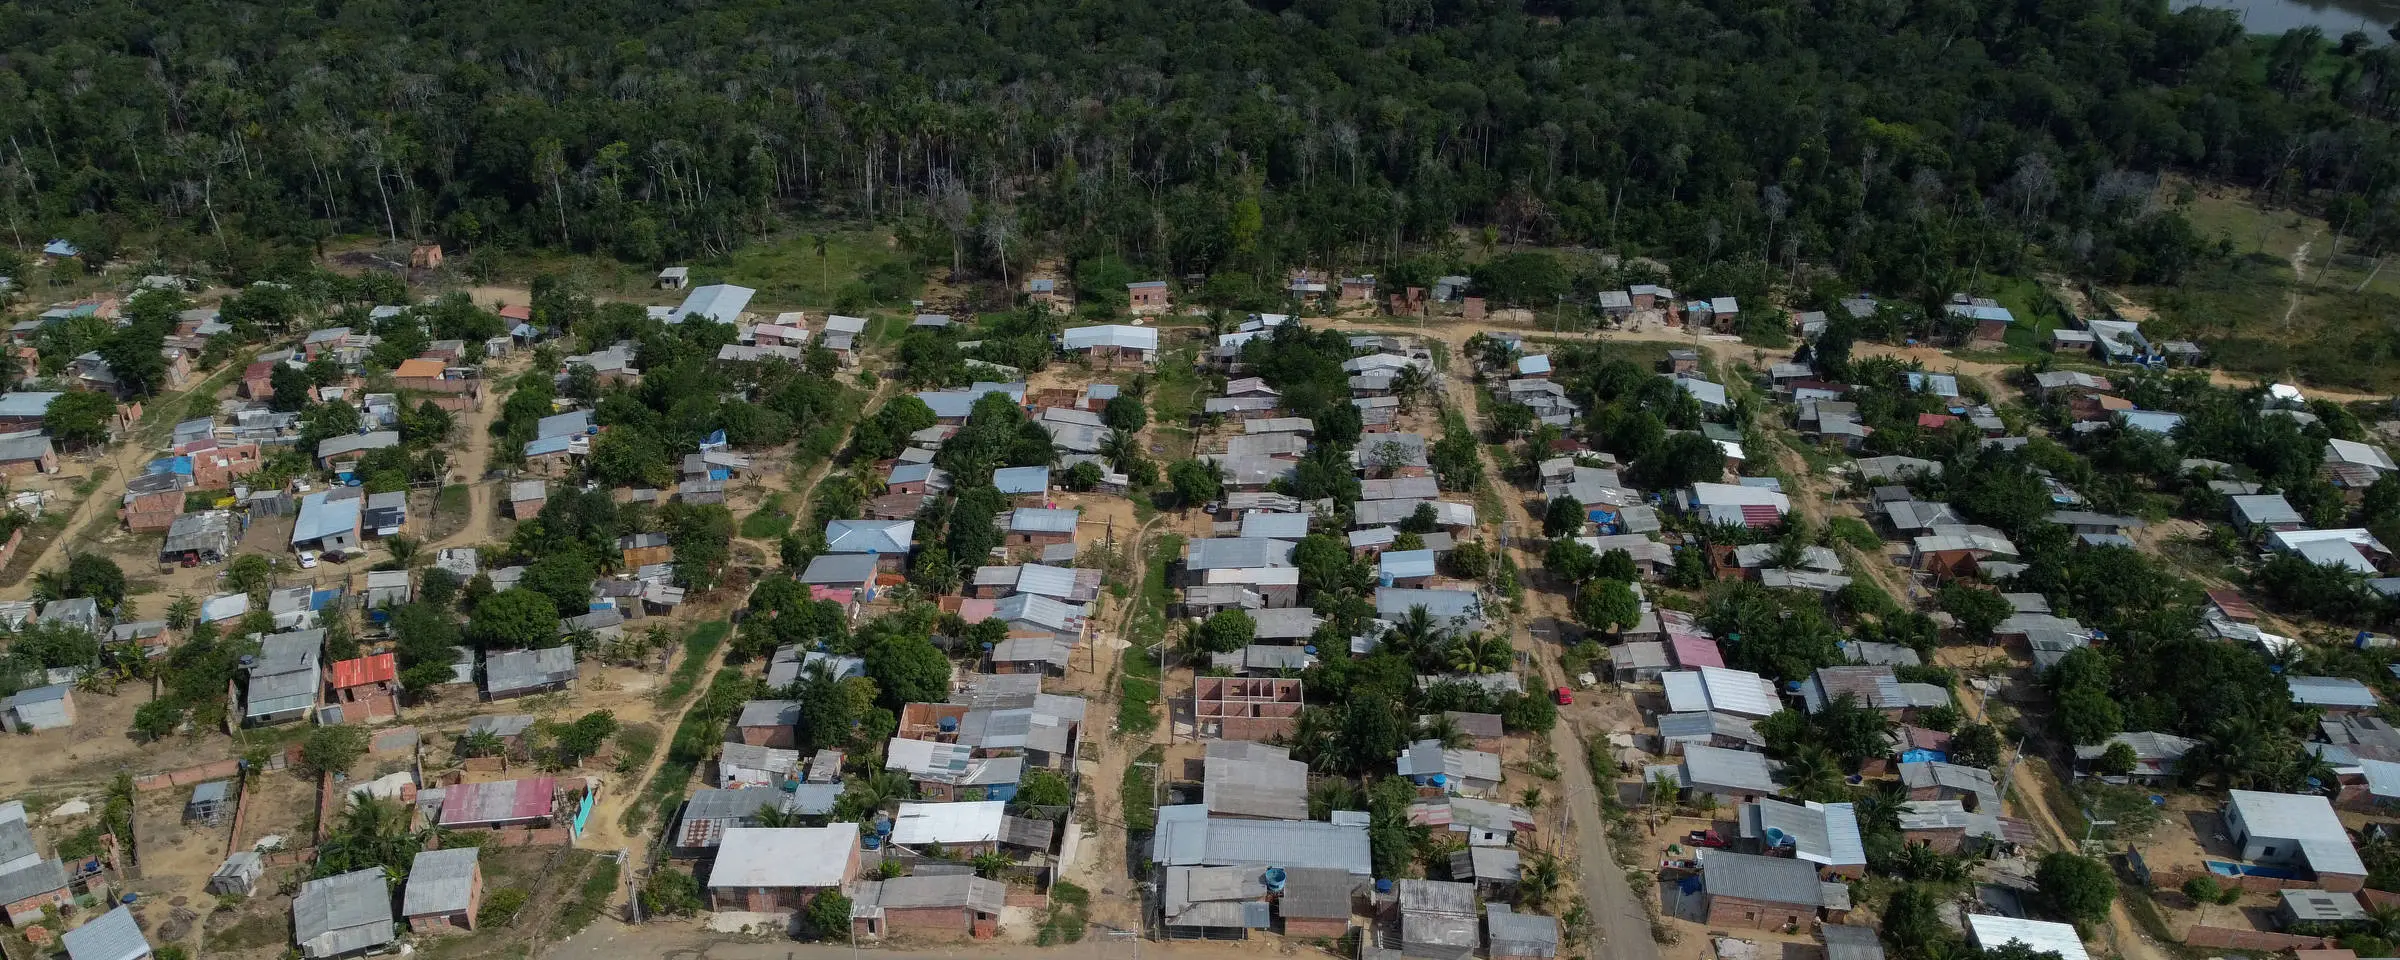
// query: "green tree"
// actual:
[[1224, 632], [829, 914], [152, 721], [584, 737], [2117, 760], [1607, 605], [674, 893], [1195, 482], [2074, 886], [1044, 788], [1681, 460], [333, 749], [79, 418], [1564, 516], [1976, 609], [908, 670], [514, 619]]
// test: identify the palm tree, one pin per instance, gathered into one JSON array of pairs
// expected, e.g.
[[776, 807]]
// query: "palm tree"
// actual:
[[1441, 727], [816, 242], [1414, 631], [183, 612], [405, 551], [1333, 793], [1409, 385], [1661, 795], [1119, 447], [1539, 879], [50, 585], [864, 797], [1480, 653], [770, 815], [1812, 776], [480, 743], [989, 864], [1531, 799]]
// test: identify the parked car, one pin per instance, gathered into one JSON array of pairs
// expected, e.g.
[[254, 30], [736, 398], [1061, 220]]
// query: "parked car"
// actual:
[[308, 559], [1704, 838], [1564, 696]]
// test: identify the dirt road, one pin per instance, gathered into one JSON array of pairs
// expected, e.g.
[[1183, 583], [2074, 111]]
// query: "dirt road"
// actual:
[[1621, 922]]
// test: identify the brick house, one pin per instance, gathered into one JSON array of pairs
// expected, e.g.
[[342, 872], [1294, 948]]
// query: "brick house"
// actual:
[[218, 467], [25, 891], [769, 723], [1038, 527], [258, 380], [367, 688], [445, 891], [1762, 893], [643, 549], [26, 454], [151, 512], [1147, 297], [780, 869], [949, 907]]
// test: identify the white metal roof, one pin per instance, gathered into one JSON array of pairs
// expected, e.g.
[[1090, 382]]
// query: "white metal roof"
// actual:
[[783, 856], [2042, 936], [952, 823]]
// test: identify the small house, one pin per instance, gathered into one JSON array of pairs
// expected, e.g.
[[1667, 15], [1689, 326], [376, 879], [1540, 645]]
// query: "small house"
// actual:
[[445, 890], [1147, 297], [37, 709], [1761, 893], [344, 914]]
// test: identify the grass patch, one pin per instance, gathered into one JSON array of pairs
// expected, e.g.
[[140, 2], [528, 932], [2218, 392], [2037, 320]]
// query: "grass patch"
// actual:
[[100, 475], [1175, 393], [788, 269], [1069, 907], [161, 414], [698, 647], [1138, 795], [1142, 686], [769, 521], [454, 498], [590, 899], [635, 744]]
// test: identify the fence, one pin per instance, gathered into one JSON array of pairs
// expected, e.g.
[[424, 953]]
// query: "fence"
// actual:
[[2170, 880], [2236, 938], [220, 770]]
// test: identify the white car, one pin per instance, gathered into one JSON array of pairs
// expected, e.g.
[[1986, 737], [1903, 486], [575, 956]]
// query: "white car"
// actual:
[[308, 558]]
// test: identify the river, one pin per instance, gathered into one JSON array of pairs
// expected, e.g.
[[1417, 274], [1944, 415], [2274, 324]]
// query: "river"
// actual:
[[2335, 17]]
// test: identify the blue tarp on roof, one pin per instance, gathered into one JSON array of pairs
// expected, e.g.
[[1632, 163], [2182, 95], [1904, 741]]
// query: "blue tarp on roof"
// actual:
[[546, 445], [176, 465], [321, 599]]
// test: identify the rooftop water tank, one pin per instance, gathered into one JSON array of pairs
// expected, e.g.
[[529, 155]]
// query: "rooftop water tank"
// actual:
[[1275, 879], [949, 724]]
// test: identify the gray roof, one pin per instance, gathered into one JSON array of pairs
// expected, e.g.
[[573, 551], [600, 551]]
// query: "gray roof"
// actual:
[[1516, 934], [952, 890], [1851, 943], [769, 713], [1317, 893], [439, 881], [1820, 833], [1043, 520], [344, 913], [2307, 819], [1284, 623], [512, 670], [114, 935], [1707, 766], [1237, 553], [840, 568], [1247, 779], [1763, 879], [1186, 836], [2330, 692], [40, 878]]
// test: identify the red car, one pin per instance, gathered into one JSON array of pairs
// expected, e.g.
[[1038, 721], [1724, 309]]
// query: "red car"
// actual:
[[1564, 697], [1704, 838]]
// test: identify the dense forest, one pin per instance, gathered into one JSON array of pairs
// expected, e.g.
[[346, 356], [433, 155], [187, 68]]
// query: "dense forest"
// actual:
[[1896, 142]]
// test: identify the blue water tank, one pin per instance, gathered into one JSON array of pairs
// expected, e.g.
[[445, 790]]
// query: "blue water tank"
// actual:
[[1274, 879], [1383, 886], [871, 841], [1311, 650], [949, 724], [1440, 779]]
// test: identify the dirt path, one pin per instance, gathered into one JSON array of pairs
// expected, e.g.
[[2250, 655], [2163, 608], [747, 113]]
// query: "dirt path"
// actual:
[[1621, 921], [476, 457]]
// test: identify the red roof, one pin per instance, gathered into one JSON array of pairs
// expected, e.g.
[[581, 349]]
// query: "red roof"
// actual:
[[379, 668], [263, 368], [1934, 421], [1760, 515], [2233, 605], [1695, 651], [499, 802], [517, 311]]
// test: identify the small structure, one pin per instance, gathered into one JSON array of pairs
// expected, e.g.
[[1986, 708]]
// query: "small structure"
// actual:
[[367, 688], [952, 906], [1763, 893], [1519, 936], [2298, 830], [114, 935], [1147, 297], [1991, 932], [39, 708], [1437, 920], [780, 869], [515, 673], [207, 804], [238, 874], [445, 890], [499, 803], [1244, 779], [344, 914], [1245, 708], [674, 278]]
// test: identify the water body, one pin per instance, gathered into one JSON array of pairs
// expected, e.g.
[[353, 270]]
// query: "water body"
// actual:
[[2335, 17]]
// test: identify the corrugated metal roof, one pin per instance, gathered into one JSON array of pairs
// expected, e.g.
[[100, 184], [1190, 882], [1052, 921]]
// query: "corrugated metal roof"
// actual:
[[949, 823], [344, 913], [110, 936], [1186, 837], [1764, 879], [2330, 692], [1043, 520], [784, 857], [1021, 480], [440, 881], [1992, 931], [1116, 335], [1404, 564], [1707, 766], [499, 802]]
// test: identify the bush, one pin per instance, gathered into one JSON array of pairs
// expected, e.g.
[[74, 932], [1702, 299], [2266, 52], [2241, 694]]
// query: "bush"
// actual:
[[2076, 887], [333, 750], [2202, 889], [671, 892], [829, 913], [501, 906]]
